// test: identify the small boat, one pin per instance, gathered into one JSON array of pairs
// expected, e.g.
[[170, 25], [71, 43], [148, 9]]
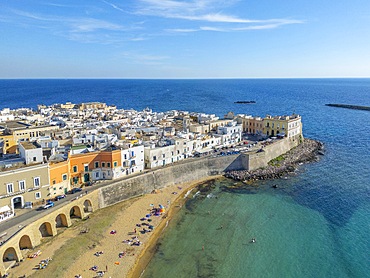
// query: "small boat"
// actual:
[[245, 101]]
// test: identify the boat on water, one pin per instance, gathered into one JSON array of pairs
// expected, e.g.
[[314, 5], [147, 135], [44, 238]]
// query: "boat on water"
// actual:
[[245, 101]]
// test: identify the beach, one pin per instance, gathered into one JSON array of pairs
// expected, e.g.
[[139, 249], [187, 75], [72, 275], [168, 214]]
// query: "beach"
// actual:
[[109, 239]]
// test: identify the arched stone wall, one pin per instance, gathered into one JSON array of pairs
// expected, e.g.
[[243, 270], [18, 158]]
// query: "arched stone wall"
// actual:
[[39, 227], [25, 242], [10, 254], [62, 221], [46, 229], [75, 212], [88, 206]]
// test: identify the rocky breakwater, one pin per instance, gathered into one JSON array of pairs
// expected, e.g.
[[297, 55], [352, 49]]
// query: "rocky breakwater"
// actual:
[[307, 151]]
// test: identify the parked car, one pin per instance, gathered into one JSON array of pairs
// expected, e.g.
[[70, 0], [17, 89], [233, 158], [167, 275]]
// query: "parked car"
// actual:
[[59, 197], [74, 190], [49, 204], [28, 205]]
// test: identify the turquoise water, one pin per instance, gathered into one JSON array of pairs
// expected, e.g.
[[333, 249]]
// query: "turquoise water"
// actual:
[[291, 240]]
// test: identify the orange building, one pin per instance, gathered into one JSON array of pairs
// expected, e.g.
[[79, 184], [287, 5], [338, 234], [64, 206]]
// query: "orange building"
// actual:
[[59, 178], [87, 167], [80, 166]]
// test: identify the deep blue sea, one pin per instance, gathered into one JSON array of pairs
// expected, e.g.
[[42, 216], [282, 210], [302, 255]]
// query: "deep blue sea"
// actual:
[[316, 224]]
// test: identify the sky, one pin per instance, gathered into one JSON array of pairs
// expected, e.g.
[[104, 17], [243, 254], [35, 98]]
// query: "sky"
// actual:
[[184, 38]]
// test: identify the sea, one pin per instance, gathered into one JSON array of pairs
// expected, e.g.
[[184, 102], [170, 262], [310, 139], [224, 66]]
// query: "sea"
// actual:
[[316, 223]]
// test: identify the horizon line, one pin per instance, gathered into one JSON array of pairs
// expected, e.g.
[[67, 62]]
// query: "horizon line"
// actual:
[[177, 78]]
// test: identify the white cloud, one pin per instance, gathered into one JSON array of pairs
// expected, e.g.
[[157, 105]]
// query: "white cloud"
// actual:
[[179, 30], [90, 25], [114, 6], [206, 11]]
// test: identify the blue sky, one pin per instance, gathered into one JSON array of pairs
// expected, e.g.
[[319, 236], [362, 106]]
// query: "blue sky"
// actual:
[[184, 38]]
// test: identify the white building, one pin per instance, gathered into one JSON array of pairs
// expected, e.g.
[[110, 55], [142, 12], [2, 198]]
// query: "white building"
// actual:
[[132, 161], [294, 126], [160, 155], [30, 152], [229, 134]]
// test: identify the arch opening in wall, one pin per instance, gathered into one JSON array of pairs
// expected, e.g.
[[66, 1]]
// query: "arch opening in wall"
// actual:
[[10, 255], [46, 229], [25, 242], [88, 206], [17, 202], [75, 212], [61, 220]]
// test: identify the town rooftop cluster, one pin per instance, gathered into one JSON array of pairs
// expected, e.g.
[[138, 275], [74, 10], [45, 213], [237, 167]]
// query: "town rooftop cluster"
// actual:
[[47, 152]]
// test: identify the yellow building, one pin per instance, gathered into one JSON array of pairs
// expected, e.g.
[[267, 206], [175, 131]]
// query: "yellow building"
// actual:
[[251, 125], [10, 145], [92, 105], [24, 184], [213, 125], [286, 126], [16, 131]]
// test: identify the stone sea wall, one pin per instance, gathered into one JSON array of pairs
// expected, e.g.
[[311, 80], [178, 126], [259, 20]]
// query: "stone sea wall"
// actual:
[[191, 170], [278, 165], [187, 171]]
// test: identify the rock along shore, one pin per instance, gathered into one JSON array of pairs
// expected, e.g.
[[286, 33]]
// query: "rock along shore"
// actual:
[[307, 151]]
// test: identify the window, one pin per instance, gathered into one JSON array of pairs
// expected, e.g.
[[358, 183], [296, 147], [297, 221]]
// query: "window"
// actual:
[[108, 164], [74, 169], [96, 164], [36, 181], [54, 182], [115, 163], [9, 188], [103, 164], [22, 185], [125, 156], [37, 195], [86, 167], [97, 175], [34, 158], [163, 155], [64, 177], [154, 157]]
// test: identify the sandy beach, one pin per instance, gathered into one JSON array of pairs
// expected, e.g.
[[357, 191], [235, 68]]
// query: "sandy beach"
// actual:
[[74, 253]]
